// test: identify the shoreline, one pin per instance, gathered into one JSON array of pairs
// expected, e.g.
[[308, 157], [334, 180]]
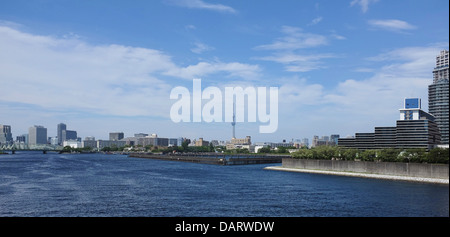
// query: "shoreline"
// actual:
[[361, 175]]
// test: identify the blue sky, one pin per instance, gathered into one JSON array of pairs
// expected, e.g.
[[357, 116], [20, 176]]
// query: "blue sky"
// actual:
[[102, 66]]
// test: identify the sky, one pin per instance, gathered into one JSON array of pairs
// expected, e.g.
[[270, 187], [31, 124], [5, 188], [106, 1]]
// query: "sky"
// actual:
[[101, 66]]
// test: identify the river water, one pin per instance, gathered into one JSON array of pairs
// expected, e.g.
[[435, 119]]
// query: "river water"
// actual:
[[91, 185]]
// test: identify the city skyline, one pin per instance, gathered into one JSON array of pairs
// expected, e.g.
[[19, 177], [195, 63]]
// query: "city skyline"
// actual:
[[340, 66]]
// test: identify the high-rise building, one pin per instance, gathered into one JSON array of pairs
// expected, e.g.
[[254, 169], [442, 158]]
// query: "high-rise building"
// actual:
[[116, 136], [69, 135], [438, 99], [5, 135], [60, 128], [37, 135]]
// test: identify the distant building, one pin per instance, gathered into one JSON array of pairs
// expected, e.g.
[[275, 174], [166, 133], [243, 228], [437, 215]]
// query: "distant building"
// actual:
[[69, 135], [324, 140], [201, 142], [305, 142], [241, 141], [5, 135], [334, 138], [116, 136], [54, 141], [415, 129], [37, 135], [64, 135], [438, 95], [109, 143], [281, 144], [73, 144], [152, 140], [22, 139], [90, 143], [141, 135], [59, 129], [173, 141]]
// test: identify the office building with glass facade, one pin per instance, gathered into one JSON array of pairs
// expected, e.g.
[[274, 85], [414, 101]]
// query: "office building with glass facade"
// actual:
[[415, 129], [438, 95]]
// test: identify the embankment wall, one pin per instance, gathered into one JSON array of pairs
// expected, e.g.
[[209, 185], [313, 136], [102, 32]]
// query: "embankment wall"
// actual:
[[436, 171]]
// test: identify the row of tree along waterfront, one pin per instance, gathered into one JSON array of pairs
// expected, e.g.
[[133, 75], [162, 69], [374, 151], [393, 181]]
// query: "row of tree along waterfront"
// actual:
[[416, 155]]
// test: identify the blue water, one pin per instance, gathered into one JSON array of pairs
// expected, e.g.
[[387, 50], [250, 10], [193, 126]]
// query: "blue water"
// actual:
[[35, 184]]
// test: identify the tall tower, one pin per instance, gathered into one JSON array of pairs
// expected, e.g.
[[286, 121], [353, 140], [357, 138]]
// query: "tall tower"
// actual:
[[60, 128], [5, 135], [438, 99], [234, 121], [37, 135]]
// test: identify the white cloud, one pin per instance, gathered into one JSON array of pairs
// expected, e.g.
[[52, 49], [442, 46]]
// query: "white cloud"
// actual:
[[392, 25], [295, 62], [410, 61], [359, 105], [404, 72], [286, 50], [295, 39], [68, 74], [202, 69], [296, 91], [316, 20], [201, 48], [338, 37], [199, 4], [364, 4]]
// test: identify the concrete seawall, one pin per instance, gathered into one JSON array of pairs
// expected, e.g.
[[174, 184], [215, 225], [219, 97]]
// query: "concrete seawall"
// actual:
[[436, 173], [214, 159]]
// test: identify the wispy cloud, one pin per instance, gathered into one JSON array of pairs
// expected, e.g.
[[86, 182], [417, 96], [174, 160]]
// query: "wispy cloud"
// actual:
[[294, 38], [200, 4], [286, 50], [57, 73], [364, 4], [296, 62], [316, 21], [392, 25], [400, 73], [202, 69], [403, 72], [201, 48]]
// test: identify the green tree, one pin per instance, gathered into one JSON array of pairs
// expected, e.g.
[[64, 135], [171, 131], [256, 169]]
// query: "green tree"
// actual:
[[388, 154], [438, 155], [325, 152], [368, 155], [415, 155], [282, 150], [67, 149], [264, 150], [185, 145], [106, 149], [302, 154]]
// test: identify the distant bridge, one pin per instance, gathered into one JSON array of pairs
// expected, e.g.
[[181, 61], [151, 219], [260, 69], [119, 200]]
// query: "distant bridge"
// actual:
[[13, 151]]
